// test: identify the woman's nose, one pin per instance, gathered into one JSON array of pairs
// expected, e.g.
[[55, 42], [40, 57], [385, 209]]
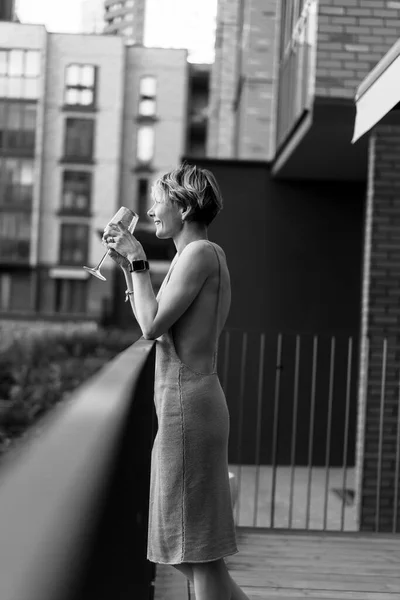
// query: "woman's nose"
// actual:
[[150, 212]]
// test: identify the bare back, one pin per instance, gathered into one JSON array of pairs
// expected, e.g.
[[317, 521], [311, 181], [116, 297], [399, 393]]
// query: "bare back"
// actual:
[[196, 332]]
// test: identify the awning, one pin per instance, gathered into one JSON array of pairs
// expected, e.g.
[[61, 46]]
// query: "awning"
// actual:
[[378, 93]]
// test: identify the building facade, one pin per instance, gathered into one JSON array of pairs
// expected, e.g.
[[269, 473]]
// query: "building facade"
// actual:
[[86, 124], [243, 82], [325, 50]]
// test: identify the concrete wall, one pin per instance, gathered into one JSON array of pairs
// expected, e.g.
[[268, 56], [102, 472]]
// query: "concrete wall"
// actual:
[[243, 82]]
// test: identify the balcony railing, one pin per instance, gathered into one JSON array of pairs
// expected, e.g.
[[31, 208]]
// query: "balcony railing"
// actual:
[[297, 73], [74, 502]]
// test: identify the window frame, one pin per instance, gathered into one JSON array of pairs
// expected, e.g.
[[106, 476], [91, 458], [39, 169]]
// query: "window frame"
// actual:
[[73, 226], [149, 161], [80, 88], [16, 200], [22, 77], [65, 210], [143, 97], [61, 295], [21, 133], [76, 158]]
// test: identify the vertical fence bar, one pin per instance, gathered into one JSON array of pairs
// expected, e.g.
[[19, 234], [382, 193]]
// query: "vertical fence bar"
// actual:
[[380, 442], [275, 427], [329, 429], [346, 430], [240, 429], [397, 468], [258, 425], [311, 431], [294, 429]]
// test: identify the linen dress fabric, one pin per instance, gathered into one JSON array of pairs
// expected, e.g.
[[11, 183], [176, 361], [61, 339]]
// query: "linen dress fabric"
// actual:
[[190, 510]]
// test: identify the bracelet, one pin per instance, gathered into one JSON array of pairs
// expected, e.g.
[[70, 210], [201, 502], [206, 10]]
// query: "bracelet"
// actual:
[[127, 294]]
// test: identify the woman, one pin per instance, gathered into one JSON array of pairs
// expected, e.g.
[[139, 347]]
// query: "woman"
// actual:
[[191, 523]]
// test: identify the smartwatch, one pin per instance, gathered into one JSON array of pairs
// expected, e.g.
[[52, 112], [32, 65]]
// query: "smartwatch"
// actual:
[[139, 265]]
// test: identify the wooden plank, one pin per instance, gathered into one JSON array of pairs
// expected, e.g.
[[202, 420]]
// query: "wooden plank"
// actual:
[[315, 567], [170, 584]]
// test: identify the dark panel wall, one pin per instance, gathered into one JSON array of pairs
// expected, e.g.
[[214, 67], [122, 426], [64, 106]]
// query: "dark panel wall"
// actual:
[[293, 248], [294, 253]]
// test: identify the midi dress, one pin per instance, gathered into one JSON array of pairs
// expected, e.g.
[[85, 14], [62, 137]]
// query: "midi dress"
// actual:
[[190, 508]]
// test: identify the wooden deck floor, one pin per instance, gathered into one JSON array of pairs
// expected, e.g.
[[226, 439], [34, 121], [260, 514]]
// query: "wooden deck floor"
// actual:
[[298, 566]]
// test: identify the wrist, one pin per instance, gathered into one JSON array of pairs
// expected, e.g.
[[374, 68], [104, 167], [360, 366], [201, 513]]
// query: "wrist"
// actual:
[[134, 256]]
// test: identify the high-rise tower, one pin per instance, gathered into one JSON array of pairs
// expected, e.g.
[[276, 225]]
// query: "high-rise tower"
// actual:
[[126, 18]]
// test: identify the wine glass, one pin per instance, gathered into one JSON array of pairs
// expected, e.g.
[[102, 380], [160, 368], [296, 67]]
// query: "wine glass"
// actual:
[[129, 219]]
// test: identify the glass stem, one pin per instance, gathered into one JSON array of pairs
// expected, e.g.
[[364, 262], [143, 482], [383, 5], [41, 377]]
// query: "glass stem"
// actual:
[[102, 260]]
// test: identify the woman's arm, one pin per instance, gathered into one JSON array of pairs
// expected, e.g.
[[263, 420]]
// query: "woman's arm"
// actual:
[[188, 277], [129, 287]]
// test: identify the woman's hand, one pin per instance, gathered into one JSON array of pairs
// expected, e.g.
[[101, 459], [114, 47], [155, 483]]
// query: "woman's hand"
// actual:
[[124, 247]]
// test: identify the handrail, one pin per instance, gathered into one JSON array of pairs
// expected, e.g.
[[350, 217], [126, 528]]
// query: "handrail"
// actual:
[[73, 501]]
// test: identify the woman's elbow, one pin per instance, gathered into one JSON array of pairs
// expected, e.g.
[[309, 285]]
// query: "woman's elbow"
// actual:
[[148, 334]]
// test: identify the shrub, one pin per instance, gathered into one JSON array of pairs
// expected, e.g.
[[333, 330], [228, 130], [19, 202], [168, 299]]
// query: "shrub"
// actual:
[[39, 369]]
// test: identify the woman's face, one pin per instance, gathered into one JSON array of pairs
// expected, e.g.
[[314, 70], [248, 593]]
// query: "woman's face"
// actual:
[[166, 215]]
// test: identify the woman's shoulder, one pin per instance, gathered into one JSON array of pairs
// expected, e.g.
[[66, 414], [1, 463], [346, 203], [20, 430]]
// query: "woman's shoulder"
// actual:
[[204, 250]]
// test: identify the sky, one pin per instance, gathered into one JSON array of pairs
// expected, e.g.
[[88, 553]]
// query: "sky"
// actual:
[[169, 23]]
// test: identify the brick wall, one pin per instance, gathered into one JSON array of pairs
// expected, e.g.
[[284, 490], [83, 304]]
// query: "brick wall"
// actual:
[[353, 35], [378, 426]]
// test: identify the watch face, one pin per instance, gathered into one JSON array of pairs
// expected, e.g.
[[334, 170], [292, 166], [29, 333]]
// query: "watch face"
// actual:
[[140, 265]]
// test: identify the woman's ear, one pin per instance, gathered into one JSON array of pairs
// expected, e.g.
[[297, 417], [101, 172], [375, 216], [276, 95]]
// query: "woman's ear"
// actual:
[[185, 213]]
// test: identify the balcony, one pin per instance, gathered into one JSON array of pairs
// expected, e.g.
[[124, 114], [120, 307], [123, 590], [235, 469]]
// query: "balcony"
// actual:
[[313, 132], [75, 498]]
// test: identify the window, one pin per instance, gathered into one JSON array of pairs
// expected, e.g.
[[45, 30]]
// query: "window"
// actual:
[[80, 85], [129, 17], [18, 126], [145, 143], [79, 139], [142, 197], [19, 74], [76, 191], [74, 244], [15, 232], [70, 296], [16, 182], [147, 96], [128, 31]]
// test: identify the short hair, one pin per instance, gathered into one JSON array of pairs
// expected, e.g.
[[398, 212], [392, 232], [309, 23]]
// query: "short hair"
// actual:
[[195, 188]]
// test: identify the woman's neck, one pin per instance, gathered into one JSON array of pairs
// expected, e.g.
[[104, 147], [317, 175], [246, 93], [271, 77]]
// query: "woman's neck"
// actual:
[[190, 232]]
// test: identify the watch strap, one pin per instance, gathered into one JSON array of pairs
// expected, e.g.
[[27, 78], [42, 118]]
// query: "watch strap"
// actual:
[[139, 265]]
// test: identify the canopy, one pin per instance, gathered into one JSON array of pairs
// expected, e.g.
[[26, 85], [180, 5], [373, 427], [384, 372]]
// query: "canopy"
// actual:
[[378, 93]]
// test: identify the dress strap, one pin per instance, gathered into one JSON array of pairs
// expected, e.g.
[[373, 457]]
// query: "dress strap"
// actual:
[[218, 306]]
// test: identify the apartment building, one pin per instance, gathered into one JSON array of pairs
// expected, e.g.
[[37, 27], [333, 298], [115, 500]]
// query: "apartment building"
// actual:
[[86, 124], [126, 18], [243, 80]]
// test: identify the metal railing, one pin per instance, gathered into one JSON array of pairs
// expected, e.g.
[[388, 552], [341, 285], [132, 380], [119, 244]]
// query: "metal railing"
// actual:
[[293, 406], [74, 500]]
